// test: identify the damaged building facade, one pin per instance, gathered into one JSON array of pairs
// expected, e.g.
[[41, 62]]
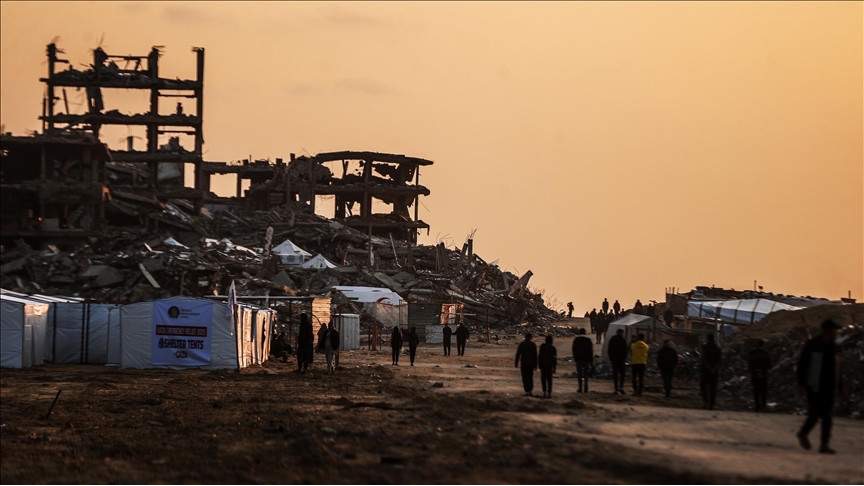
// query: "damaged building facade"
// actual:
[[118, 225]]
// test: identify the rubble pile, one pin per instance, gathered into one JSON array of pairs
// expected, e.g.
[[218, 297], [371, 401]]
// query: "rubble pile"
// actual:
[[784, 334], [175, 252]]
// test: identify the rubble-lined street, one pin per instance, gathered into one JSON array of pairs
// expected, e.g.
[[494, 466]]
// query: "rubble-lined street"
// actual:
[[457, 419]]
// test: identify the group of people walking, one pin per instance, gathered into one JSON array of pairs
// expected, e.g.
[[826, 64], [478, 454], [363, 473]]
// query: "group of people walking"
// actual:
[[396, 342], [328, 344], [600, 321]]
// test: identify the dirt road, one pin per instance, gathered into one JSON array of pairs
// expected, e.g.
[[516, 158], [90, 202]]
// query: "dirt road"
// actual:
[[437, 422]]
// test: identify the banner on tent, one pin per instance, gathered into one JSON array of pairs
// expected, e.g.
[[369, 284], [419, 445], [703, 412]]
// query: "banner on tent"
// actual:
[[182, 332]]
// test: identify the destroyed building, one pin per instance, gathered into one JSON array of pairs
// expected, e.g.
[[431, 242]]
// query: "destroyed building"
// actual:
[[141, 234]]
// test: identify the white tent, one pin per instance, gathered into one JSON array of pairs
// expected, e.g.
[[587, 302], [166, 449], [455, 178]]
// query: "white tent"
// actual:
[[290, 254], [84, 333], [381, 303], [22, 331], [632, 324], [183, 332], [318, 262], [736, 311]]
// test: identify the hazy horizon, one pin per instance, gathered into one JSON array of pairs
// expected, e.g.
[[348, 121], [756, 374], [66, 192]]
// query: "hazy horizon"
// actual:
[[614, 149]]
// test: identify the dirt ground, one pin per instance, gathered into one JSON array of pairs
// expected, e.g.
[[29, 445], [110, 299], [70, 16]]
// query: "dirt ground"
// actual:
[[446, 420]]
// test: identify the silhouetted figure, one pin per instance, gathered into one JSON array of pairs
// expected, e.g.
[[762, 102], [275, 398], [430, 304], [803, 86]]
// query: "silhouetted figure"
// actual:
[[547, 362], [667, 360], [329, 347], [712, 357], [305, 344], [605, 305], [322, 336], [668, 316], [592, 319], [526, 361], [335, 343], [638, 362], [448, 333], [603, 325], [649, 310], [583, 356], [461, 339], [819, 378], [616, 307], [638, 308], [569, 310], [759, 364], [618, 357], [413, 341], [396, 344]]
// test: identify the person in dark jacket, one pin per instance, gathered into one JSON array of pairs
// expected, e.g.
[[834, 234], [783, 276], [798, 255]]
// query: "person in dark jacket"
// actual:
[[709, 371], [305, 344], [638, 308], [526, 361], [616, 307], [667, 360], [818, 377], [396, 344], [447, 335], [322, 337], [592, 319], [461, 339], [335, 341], [605, 305], [570, 310], [548, 361], [759, 363], [583, 356], [413, 341], [618, 357]]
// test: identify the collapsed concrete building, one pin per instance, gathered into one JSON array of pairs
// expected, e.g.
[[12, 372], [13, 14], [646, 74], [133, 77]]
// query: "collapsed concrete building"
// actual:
[[119, 225]]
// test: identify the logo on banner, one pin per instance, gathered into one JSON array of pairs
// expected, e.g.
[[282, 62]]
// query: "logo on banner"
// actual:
[[181, 332]]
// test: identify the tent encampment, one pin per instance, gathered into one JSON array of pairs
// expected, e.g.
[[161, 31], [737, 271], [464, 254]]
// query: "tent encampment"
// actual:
[[736, 311], [83, 333], [184, 332], [22, 331], [290, 254], [318, 262]]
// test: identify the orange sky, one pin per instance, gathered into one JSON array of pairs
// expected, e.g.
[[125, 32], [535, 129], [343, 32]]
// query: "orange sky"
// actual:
[[613, 148]]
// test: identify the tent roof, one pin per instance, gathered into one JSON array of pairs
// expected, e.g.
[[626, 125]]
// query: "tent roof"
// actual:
[[318, 261], [631, 319], [21, 300], [368, 295], [38, 298], [287, 247]]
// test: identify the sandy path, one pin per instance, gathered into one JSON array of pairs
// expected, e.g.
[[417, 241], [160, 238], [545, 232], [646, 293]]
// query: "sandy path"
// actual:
[[681, 434]]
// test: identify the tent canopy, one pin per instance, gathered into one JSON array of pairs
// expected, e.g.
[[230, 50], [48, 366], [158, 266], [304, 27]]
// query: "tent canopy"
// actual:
[[632, 324], [370, 295], [736, 311], [318, 261], [287, 247]]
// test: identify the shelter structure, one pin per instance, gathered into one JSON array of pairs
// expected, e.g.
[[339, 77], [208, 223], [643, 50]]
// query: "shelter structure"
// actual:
[[632, 324], [185, 332], [290, 254], [735, 311], [23, 323], [379, 303], [318, 262]]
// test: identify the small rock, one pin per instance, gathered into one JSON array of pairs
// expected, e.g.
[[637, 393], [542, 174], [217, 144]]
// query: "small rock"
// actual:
[[438, 384]]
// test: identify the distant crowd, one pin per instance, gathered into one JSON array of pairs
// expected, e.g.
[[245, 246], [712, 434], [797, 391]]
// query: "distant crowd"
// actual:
[[817, 373]]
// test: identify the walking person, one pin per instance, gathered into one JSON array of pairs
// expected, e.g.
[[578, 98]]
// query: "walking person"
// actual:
[[547, 362], [592, 319], [605, 305], [709, 373], [329, 349], [448, 333], [616, 307], [638, 362], [526, 361], [461, 339], [305, 346], [618, 358], [569, 310], [759, 363], [336, 344], [413, 341], [819, 378], [396, 344], [583, 356], [667, 360]]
